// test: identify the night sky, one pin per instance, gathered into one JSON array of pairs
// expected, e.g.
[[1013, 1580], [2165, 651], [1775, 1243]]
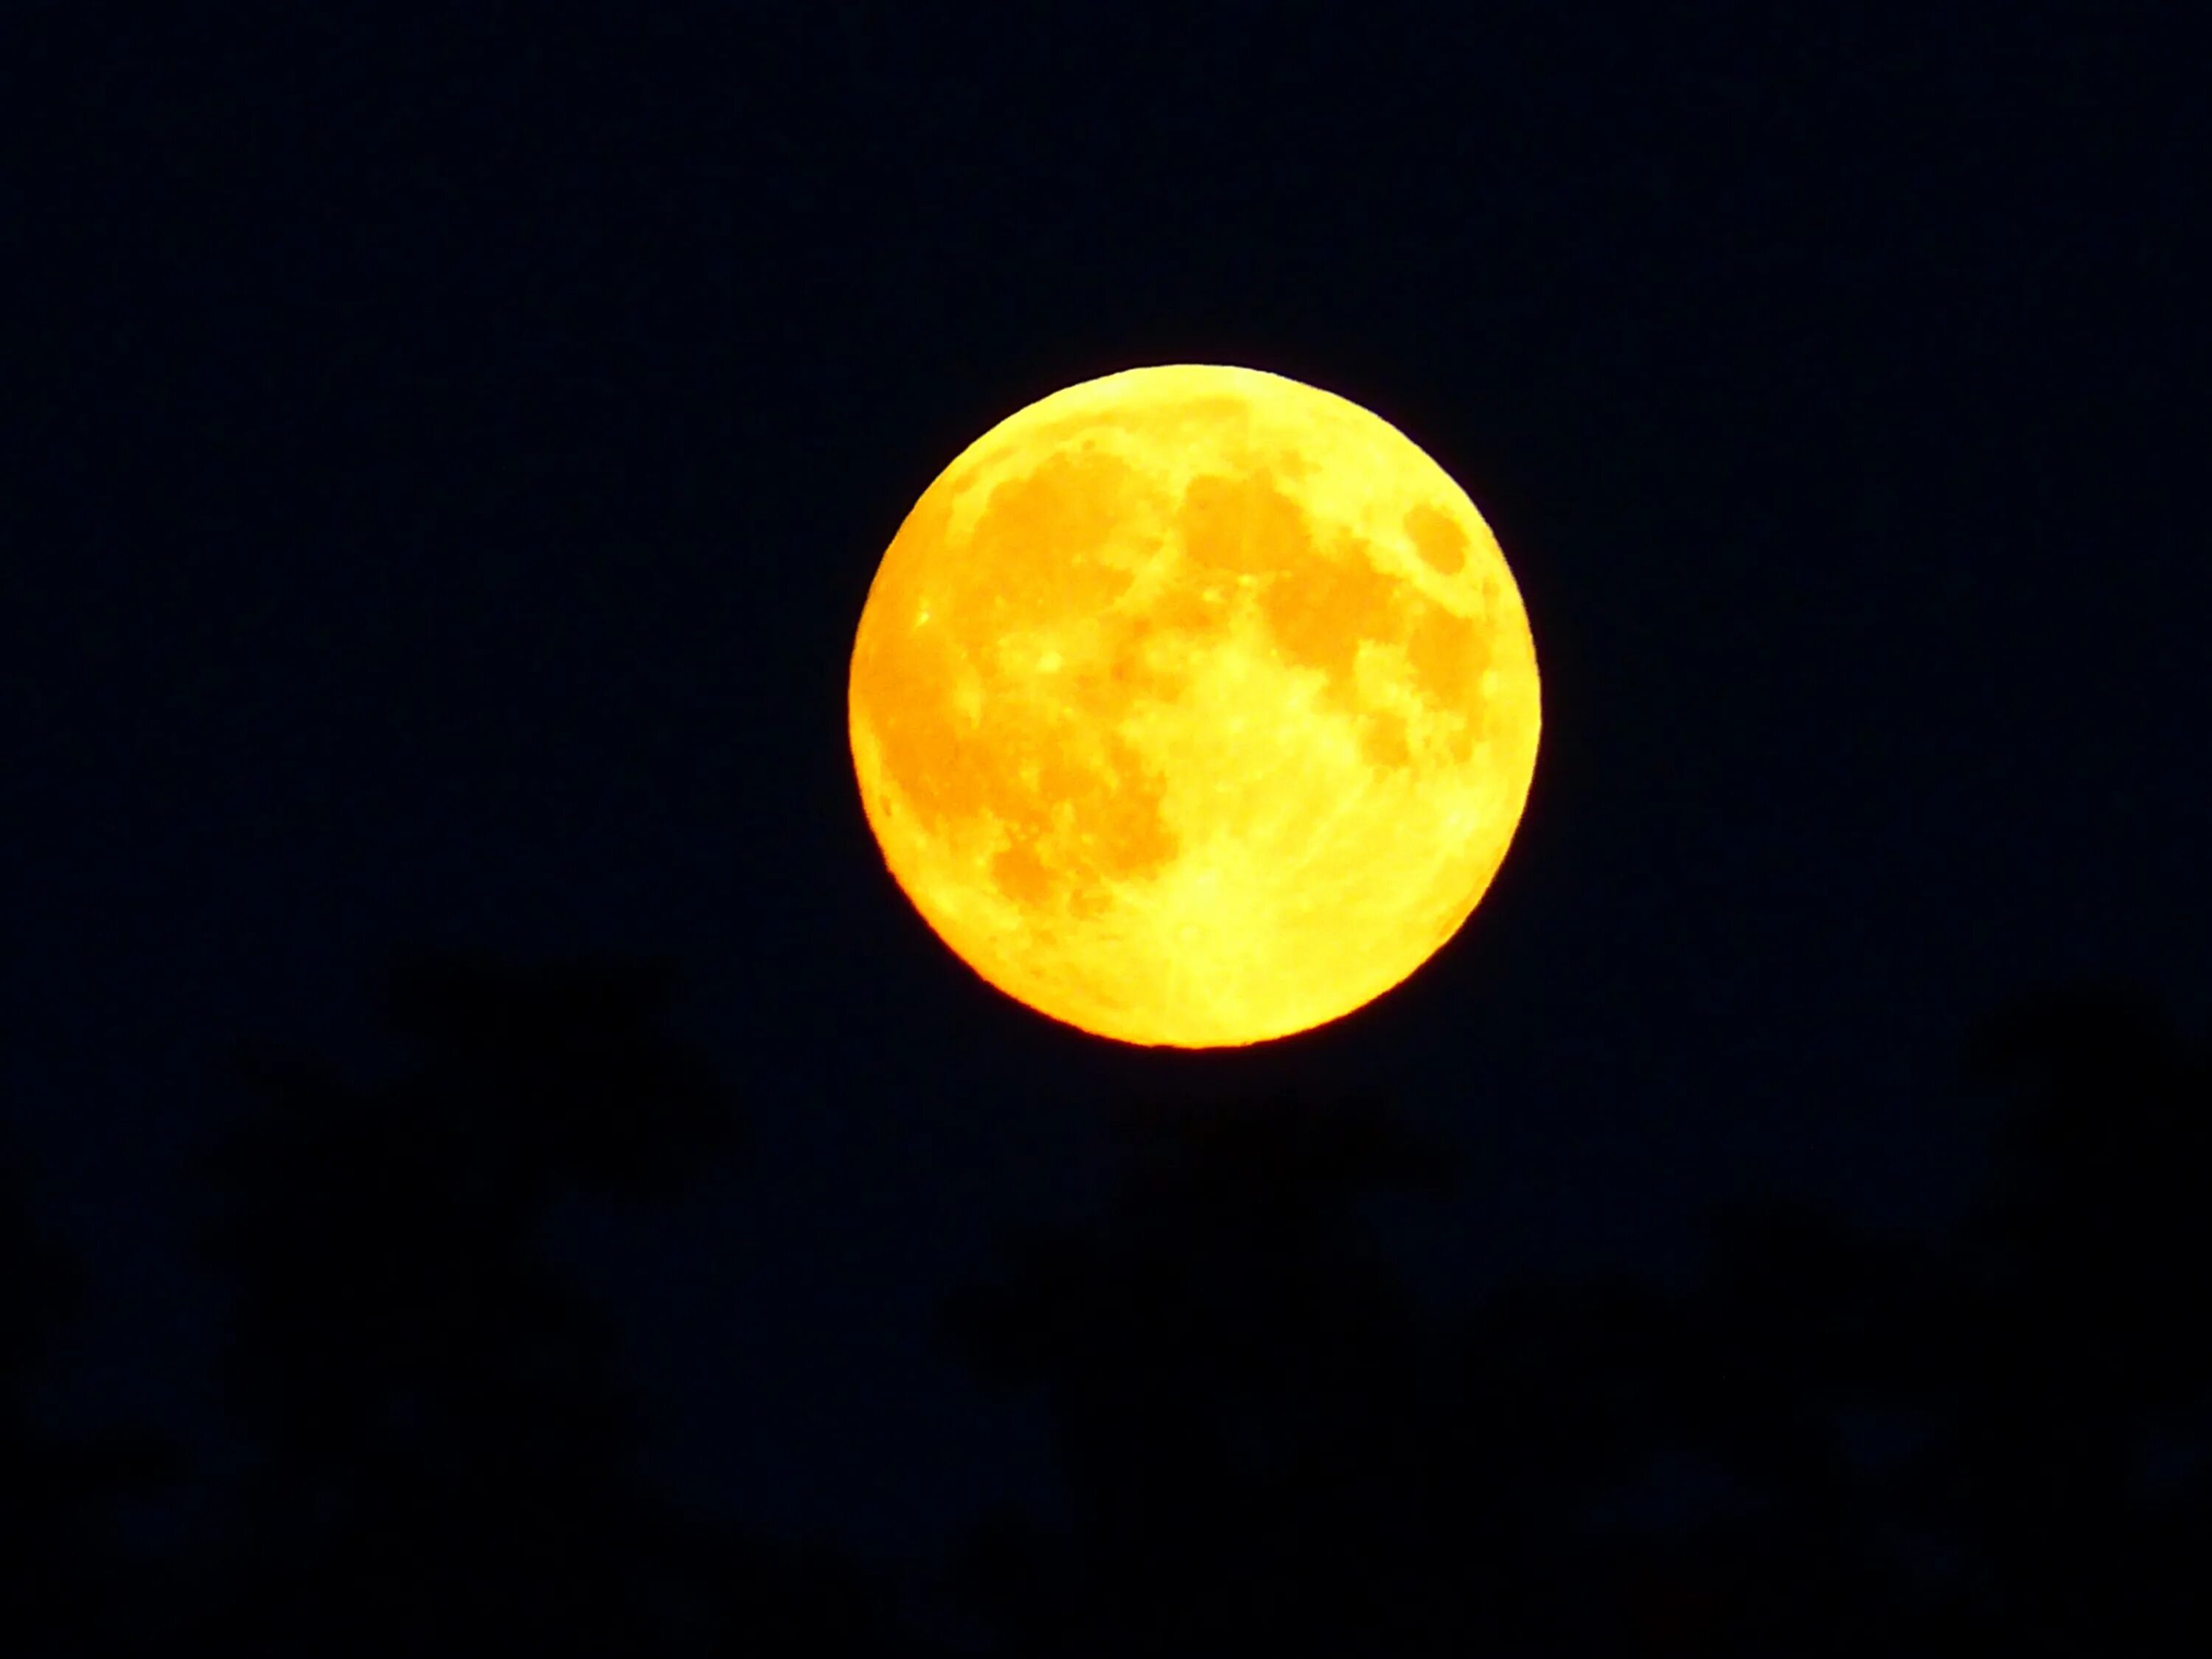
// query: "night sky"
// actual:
[[445, 464]]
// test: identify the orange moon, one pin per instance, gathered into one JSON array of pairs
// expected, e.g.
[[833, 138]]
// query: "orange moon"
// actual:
[[1193, 706]]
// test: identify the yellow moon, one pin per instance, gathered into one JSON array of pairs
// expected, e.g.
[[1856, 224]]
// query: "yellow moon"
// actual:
[[1193, 706]]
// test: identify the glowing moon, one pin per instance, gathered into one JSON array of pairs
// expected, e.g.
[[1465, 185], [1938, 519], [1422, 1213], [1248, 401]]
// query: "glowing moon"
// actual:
[[1193, 706]]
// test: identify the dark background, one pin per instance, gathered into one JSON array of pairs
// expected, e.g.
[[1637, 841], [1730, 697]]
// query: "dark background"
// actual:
[[446, 458]]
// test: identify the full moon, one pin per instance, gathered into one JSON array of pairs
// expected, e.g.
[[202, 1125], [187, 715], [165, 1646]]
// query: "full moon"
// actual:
[[1193, 706]]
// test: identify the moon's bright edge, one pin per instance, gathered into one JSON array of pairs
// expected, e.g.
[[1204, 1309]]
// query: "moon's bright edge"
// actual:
[[1193, 706]]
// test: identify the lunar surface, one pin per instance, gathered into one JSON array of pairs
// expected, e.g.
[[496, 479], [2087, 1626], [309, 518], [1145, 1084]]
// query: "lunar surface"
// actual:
[[1193, 706]]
